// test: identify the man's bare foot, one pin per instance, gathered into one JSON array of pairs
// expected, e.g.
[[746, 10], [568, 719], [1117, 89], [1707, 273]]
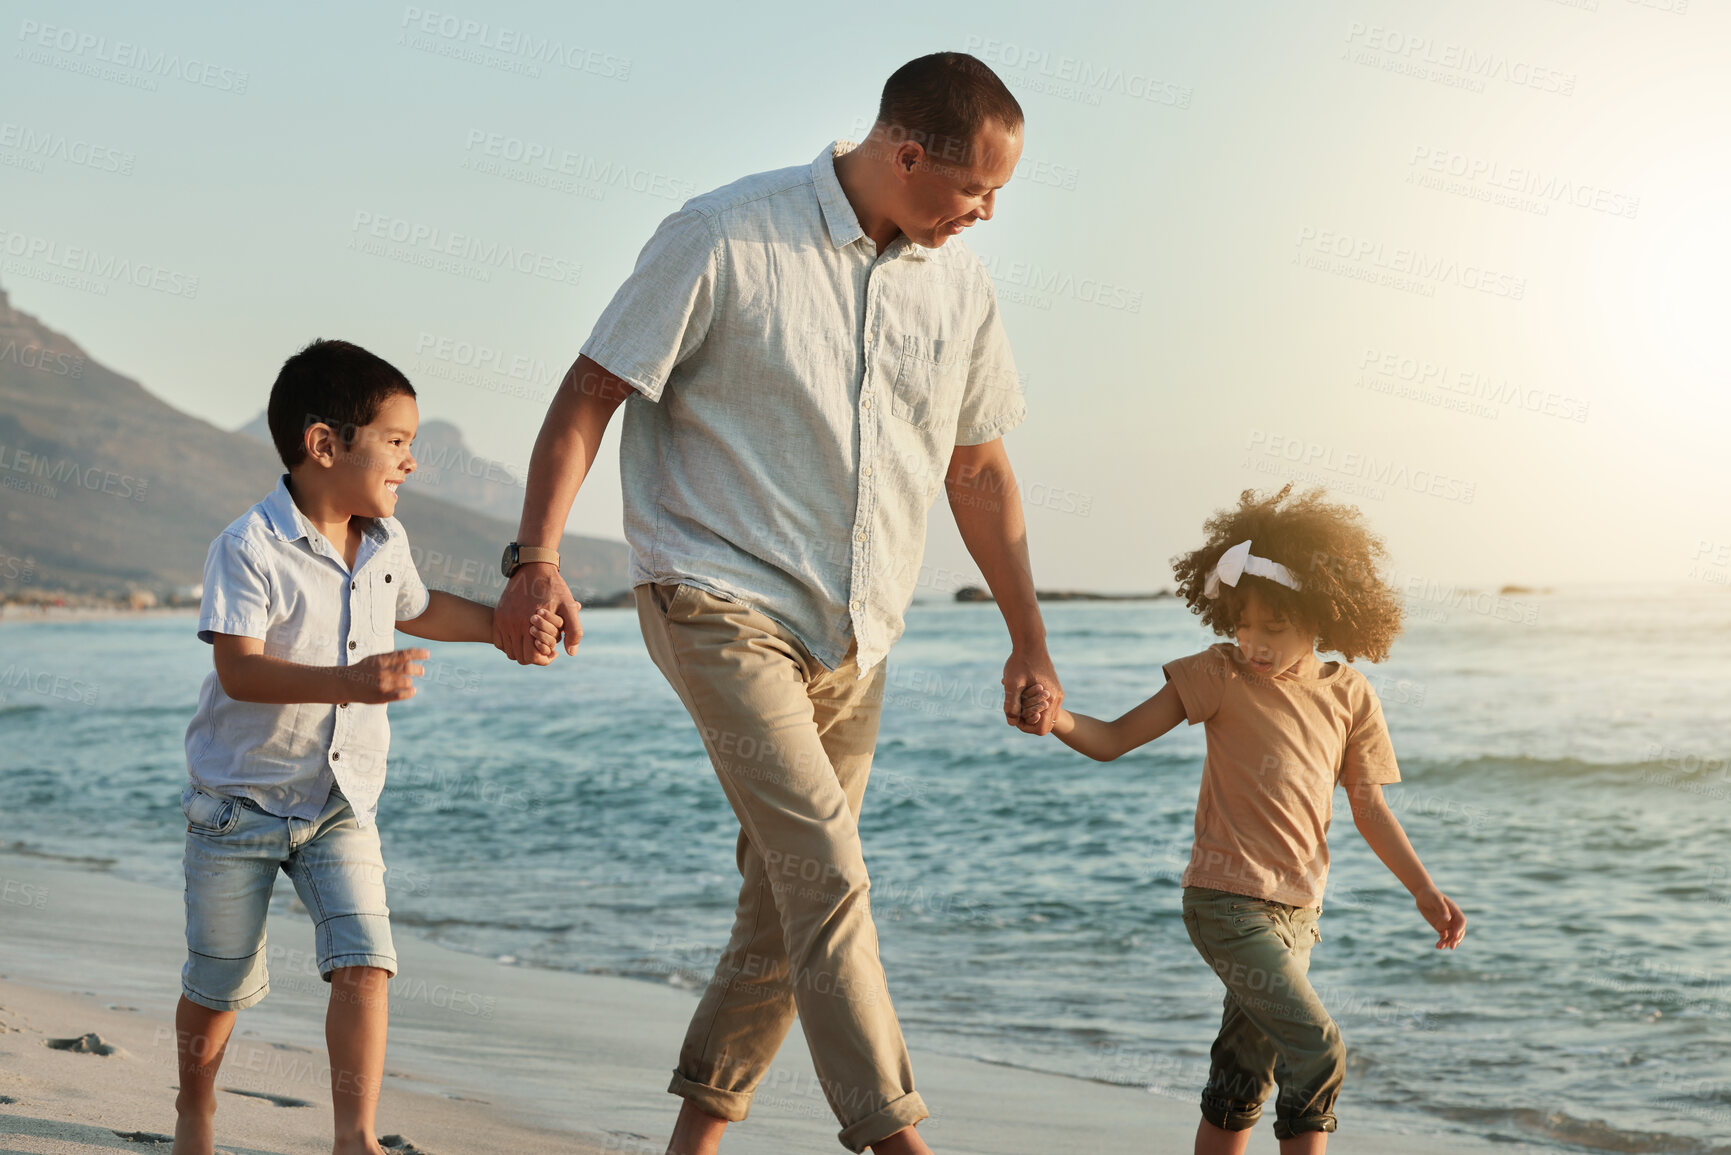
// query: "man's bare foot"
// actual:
[[194, 1128], [904, 1142], [696, 1132]]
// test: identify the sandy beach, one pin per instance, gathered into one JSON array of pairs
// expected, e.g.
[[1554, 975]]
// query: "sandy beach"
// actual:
[[484, 1056]]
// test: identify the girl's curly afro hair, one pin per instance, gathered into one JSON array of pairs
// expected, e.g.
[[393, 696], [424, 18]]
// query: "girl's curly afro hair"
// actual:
[[1341, 596]]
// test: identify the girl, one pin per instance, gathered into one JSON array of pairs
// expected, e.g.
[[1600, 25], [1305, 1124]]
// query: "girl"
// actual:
[[1284, 576]]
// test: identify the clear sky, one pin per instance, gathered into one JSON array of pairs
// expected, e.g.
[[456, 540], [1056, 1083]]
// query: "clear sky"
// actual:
[[1464, 263]]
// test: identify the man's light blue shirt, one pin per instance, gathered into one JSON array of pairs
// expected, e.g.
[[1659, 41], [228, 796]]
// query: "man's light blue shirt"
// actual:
[[271, 575], [799, 395]]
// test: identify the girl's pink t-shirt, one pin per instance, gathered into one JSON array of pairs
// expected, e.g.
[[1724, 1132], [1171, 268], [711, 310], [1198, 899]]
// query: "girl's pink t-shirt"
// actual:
[[1277, 748]]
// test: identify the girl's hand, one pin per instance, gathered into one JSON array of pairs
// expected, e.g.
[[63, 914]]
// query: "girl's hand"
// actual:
[[1036, 700], [1444, 917]]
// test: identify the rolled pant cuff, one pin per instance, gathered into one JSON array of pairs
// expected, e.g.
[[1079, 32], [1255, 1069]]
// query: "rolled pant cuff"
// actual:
[[896, 1115], [1229, 1115], [215, 1004], [1292, 1128], [730, 1105]]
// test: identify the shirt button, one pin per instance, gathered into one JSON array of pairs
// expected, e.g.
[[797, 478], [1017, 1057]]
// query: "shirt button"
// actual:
[[387, 578], [858, 605], [352, 645], [354, 585], [860, 537], [342, 705], [865, 471], [336, 755], [866, 403]]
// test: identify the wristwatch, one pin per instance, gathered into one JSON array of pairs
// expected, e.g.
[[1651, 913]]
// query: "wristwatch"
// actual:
[[517, 556]]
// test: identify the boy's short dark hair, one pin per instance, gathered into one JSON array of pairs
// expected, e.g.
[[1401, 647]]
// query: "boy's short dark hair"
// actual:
[[334, 382], [941, 101]]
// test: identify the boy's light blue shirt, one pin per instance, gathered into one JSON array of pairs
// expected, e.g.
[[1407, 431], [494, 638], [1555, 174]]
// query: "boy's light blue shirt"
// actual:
[[271, 575]]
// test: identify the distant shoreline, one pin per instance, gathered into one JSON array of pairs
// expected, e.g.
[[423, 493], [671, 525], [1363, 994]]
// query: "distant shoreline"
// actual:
[[19, 613]]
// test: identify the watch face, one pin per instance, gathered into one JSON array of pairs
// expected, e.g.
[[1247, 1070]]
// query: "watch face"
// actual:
[[508, 563]]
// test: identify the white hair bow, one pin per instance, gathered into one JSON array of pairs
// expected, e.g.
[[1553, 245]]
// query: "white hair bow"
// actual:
[[1238, 561]]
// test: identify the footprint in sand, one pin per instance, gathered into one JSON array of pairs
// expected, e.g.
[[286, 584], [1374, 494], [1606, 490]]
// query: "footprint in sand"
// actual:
[[144, 1137], [279, 1100], [398, 1145], [90, 1044]]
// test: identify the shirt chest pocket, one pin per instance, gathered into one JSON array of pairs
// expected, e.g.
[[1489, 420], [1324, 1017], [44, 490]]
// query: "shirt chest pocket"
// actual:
[[381, 588], [929, 381]]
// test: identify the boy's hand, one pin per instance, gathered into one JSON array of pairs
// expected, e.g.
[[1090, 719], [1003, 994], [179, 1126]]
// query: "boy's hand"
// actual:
[[385, 677], [535, 586], [1444, 917]]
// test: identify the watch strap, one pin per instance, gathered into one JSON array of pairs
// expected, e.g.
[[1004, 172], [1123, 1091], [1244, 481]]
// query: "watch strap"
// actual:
[[529, 554]]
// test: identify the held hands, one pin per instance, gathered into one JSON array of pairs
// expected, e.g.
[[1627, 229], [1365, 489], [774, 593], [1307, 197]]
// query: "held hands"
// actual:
[[1444, 917], [536, 609], [380, 678], [1026, 672], [1039, 710]]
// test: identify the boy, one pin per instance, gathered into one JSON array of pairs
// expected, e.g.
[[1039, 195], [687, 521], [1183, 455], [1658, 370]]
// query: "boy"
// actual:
[[286, 754]]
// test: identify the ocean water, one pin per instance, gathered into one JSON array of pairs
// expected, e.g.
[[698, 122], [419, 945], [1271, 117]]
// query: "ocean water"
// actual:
[[1565, 780]]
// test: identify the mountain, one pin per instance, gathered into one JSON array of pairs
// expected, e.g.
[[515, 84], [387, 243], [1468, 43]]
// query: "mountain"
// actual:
[[448, 469], [106, 488]]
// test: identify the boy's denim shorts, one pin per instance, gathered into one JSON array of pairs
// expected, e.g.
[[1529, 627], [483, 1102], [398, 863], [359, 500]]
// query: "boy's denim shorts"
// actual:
[[233, 853]]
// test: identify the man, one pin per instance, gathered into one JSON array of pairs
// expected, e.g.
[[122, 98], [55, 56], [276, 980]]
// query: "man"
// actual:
[[811, 353]]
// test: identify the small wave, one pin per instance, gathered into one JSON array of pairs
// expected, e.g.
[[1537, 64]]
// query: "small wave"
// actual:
[[1589, 1134], [1529, 769], [430, 923], [25, 850]]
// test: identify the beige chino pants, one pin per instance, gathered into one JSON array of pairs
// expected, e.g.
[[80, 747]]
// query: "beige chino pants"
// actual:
[[792, 745]]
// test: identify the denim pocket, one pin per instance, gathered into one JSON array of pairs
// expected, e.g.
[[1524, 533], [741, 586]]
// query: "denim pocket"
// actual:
[[930, 380], [209, 813]]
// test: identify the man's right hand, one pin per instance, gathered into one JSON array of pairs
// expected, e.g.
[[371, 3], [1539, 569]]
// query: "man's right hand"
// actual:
[[535, 586]]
